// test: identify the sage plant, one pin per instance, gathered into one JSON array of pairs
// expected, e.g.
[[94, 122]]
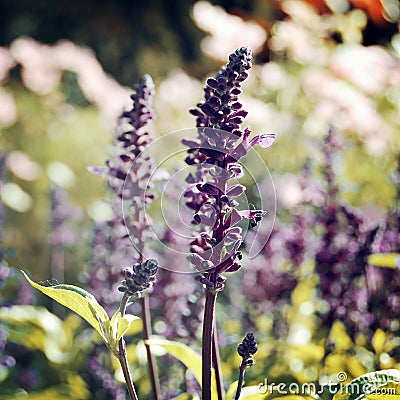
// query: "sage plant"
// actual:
[[128, 176], [340, 258], [220, 144]]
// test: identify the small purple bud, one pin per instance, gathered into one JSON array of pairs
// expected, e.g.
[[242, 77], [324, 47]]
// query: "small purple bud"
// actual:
[[208, 189], [235, 120], [207, 109], [196, 112], [235, 190], [213, 83]]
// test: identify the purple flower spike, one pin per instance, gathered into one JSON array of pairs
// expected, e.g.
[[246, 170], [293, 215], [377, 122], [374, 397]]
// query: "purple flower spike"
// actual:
[[215, 153], [127, 174]]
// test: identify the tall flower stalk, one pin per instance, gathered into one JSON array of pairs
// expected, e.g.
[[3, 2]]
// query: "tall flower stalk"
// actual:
[[341, 254], [127, 175], [220, 144]]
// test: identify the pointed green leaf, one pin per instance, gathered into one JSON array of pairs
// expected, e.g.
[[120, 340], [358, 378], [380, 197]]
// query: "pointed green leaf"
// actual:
[[187, 356], [79, 301], [117, 327], [231, 390], [368, 384], [124, 324]]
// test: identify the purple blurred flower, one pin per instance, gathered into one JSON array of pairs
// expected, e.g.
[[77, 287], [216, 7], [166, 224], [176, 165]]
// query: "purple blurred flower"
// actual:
[[265, 286], [128, 176], [104, 380], [340, 258], [62, 213], [384, 283], [5, 359]]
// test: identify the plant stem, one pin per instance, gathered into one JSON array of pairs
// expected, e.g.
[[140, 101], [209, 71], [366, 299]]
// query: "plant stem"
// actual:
[[208, 325], [125, 368], [155, 382], [123, 360], [242, 369], [217, 363]]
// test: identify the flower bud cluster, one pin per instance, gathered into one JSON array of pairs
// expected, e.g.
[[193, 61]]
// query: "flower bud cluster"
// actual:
[[139, 278], [247, 348]]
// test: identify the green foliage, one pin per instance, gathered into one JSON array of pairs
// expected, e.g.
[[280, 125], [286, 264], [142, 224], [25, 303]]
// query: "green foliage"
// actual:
[[247, 393], [38, 329], [184, 354], [378, 382], [86, 306], [74, 388]]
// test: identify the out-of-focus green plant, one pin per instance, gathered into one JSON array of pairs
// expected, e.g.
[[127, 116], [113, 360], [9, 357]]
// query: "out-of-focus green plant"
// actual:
[[61, 342]]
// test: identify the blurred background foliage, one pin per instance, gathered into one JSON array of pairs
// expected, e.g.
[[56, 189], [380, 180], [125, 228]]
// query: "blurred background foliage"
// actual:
[[66, 69]]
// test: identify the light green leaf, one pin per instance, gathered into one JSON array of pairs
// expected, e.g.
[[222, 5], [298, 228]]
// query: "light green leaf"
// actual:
[[124, 324], [74, 388], [369, 384], [38, 329], [117, 327], [187, 356], [79, 301], [248, 392]]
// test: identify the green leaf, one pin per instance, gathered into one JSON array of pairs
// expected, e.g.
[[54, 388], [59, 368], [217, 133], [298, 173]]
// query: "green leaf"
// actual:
[[74, 388], [79, 301], [117, 327], [38, 329], [187, 356], [370, 383], [248, 392]]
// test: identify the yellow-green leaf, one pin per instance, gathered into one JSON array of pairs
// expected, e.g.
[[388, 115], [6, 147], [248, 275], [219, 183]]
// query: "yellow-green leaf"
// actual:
[[75, 388], [38, 329], [369, 385], [378, 341], [391, 260], [247, 392], [79, 301], [117, 327], [187, 356], [124, 324]]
